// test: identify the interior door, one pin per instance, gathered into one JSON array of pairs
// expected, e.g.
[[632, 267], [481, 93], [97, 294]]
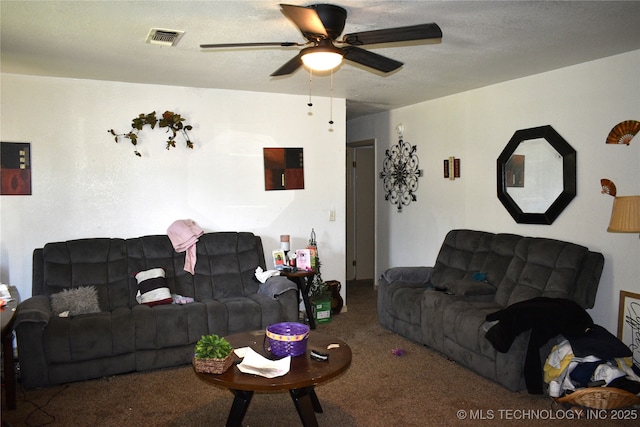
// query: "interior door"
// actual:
[[360, 211]]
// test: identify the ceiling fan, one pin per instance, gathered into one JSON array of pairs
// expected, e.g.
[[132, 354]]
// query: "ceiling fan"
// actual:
[[322, 24]]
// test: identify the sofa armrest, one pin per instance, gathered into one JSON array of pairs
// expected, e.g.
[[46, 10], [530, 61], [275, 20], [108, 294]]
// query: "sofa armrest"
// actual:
[[288, 305], [588, 280], [416, 275], [276, 285], [32, 317], [36, 309]]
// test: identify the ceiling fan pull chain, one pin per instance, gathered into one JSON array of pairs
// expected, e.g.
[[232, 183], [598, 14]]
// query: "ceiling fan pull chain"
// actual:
[[310, 104], [331, 105]]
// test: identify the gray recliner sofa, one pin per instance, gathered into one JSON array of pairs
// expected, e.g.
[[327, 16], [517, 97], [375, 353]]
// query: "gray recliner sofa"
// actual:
[[125, 336], [477, 273]]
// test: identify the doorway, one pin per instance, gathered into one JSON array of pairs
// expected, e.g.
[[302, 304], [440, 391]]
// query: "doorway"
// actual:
[[360, 221]]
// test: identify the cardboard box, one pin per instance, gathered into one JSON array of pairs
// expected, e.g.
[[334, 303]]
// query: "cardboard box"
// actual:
[[322, 311]]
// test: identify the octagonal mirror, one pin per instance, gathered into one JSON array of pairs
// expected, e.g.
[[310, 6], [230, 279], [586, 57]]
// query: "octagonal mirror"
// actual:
[[536, 175]]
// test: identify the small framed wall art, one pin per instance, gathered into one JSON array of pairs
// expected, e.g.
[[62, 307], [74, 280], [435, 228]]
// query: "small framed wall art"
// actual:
[[15, 168], [283, 169], [452, 168]]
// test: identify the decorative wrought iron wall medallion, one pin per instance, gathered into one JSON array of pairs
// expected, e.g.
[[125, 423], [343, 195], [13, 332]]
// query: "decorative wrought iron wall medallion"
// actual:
[[400, 173]]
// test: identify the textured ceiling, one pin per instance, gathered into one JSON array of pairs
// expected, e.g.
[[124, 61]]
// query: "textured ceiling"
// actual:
[[483, 43]]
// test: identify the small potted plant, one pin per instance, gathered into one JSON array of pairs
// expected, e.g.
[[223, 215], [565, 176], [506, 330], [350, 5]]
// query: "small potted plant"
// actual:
[[213, 354]]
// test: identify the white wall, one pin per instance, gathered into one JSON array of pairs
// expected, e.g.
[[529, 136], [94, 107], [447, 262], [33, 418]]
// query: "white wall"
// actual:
[[582, 103], [86, 185]]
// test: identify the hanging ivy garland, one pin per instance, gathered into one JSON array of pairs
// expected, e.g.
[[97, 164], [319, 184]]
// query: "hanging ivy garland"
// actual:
[[169, 120]]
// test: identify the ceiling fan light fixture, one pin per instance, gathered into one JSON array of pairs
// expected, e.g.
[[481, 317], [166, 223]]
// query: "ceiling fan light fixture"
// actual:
[[321, 58], [321, 25]]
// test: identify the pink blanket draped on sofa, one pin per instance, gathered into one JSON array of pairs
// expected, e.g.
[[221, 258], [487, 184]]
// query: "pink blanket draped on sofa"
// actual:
[[184, 234]]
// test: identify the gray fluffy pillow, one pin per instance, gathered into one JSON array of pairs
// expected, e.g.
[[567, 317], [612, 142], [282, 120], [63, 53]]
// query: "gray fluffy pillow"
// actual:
[[76, 301]]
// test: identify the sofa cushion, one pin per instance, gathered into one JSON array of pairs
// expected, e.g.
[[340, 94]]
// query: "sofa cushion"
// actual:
[[465, 323], [226, 265], [169, 325], [406, 302], [467, 287], [496, 262], [89, 336], [99, 262], [82, 300], [245, 314], [156, 251], [269, 309], [463, 253], [541, 267]]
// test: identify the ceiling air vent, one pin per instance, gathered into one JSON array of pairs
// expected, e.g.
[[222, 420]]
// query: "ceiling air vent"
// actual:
[[161, 37]]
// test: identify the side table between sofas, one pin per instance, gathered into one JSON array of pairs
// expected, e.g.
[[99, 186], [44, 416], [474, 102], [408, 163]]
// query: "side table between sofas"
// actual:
[[303, 280]]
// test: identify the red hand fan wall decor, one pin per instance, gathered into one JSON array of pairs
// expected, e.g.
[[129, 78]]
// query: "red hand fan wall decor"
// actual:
[[623, 132]]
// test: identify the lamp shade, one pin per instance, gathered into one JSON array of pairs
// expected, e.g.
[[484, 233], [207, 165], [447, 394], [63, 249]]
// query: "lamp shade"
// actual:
[[321, 58], [625, 215]]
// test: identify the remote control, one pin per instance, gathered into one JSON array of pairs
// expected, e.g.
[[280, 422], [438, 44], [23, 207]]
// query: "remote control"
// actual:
[[320, 357]]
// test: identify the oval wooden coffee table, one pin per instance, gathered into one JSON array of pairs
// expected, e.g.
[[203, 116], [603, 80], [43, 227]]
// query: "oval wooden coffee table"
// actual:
[[304, 375]]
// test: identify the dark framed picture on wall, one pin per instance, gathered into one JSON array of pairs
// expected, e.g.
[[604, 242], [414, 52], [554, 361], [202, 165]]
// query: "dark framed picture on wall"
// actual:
[[283, 169], [15, 168]]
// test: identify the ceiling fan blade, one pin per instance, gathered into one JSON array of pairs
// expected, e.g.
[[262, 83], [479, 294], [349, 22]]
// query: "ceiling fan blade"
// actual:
[[292, 65], [306, 19], [391, 35], [370, 59], [222, 45]]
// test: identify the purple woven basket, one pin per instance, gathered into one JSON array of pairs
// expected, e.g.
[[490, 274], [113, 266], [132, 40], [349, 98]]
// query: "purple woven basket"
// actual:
[[288, 338]]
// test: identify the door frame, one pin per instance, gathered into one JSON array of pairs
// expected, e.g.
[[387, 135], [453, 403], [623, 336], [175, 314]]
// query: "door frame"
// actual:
[[351, 216]]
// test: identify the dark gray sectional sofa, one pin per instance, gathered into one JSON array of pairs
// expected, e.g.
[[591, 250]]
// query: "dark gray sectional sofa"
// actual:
[[125, 336], [478, 273]]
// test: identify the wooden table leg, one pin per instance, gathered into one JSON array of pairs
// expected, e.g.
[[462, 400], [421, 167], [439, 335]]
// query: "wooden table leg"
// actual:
[[239, 408], [307, 405], [316, 403], [306, 284]]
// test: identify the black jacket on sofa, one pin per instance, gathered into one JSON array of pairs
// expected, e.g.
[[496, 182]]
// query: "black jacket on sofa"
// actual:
[[545, 318], [125, 336]]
